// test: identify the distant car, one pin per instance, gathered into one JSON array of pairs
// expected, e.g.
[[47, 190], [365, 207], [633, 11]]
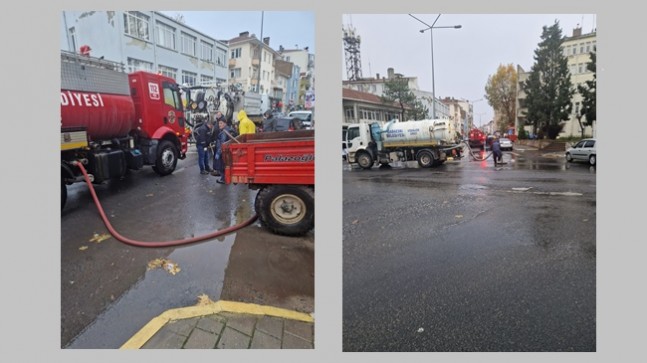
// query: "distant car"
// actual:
[[584, 150], [304, 116], [505, 143]]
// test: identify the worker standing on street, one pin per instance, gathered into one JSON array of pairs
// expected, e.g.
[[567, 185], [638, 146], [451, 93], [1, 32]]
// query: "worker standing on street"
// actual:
[[223, 136], [202, 140], [496, 151], [269, 122], [245, 125]]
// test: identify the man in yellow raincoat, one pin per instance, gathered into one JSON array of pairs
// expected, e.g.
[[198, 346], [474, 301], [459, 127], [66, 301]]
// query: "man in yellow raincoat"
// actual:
[[245, 125]]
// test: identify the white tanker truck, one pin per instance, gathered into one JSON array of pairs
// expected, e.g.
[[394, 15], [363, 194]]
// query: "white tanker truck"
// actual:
[[426, 141]]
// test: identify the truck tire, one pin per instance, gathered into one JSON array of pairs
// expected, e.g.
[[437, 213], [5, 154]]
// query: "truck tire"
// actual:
[[166, 160], [365, 160], [286, 209], [425, 158]]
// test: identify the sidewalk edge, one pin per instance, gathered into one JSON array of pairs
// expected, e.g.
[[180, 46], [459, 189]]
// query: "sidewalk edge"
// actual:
[[144, 334]]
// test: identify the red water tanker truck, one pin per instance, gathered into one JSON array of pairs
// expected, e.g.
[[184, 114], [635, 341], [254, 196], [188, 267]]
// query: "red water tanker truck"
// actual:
[[112, 121]]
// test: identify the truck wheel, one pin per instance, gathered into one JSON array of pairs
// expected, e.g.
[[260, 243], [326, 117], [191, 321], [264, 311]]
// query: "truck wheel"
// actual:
[[365, 160], [286, 209], [63, 194], [425, 158], [166, 158]]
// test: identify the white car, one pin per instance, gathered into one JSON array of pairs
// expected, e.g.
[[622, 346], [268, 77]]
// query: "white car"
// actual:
[[584, 150], [505, 143], [304, 116]]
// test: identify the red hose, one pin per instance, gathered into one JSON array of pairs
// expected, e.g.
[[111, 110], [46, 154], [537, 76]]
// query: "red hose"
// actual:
[[131, 242]]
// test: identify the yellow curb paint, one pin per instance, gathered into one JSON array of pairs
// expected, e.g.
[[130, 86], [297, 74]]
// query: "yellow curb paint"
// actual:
[[144, 334]]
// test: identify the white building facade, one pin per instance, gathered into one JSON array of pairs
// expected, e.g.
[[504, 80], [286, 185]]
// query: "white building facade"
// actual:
[[147, 40]]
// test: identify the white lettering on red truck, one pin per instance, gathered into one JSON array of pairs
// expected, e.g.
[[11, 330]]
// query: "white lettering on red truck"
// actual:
[[285, 158], [69, 98]]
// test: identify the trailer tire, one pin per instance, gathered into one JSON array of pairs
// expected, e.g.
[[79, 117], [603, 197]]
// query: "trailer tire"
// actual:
[[166, 160], [365, 160], [286, 209], [425, 158]]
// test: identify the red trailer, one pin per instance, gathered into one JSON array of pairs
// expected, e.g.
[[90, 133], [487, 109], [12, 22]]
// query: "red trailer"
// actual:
[[281, 165]]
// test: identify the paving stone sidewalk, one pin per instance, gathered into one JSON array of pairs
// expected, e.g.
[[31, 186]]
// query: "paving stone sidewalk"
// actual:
[[242, 326]]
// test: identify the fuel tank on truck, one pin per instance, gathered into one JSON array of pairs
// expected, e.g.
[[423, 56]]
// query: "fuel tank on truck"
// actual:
[[95, 95], [417, 133]]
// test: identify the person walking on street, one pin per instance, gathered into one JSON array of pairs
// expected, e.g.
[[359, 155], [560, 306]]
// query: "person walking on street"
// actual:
[[269, 122], [224, 132], [202, 140], [245, 125]]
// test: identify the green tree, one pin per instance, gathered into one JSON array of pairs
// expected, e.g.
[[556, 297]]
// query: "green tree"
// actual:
[[548, 87], [418, 111], [501, 94], [397, 90], [587, 90]]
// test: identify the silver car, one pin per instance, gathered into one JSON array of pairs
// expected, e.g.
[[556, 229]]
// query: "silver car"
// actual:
[[505, 143], [584, 150]]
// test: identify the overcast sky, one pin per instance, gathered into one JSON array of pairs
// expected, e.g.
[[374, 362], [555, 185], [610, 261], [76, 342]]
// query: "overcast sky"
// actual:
[[291, 29], [463, 58]]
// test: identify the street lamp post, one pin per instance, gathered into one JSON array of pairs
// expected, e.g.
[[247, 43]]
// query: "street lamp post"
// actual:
[[431, 32]]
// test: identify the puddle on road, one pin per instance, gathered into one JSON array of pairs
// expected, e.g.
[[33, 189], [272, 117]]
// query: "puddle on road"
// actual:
[[202, 272]]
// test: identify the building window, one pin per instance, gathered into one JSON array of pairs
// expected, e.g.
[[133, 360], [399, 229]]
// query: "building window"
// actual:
[[165, 36], [189, 78], [139, 65], [581, 48], [205, 80], [168, 71], [350, 114], [235, 53], [580, 68], [221, 56], [206, 53], [577, 108], [574, 49], [188, 44], [235, 73], [136, 25], [588, 47], [573, 68]]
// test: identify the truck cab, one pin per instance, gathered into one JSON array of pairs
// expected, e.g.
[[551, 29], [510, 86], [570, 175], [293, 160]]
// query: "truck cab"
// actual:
[[364, 143], [159, 113]]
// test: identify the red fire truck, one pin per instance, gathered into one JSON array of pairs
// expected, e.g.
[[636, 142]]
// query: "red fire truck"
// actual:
[[113, 121]]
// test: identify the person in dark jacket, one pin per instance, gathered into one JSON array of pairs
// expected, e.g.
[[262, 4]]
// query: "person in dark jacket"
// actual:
[[224, 132], [496, 151], [202, 135], [269, 122]]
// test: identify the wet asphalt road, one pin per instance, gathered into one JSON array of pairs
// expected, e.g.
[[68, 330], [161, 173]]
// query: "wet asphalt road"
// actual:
[[467, 257], [108, 291]]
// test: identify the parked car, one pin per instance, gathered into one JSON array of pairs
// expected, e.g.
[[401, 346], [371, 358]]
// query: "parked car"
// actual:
[[304, 116], [288, 124], [584, 150], [505, 143]]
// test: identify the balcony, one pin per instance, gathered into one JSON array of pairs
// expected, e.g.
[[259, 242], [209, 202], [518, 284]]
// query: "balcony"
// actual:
[[232, 62], [255, 62]]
